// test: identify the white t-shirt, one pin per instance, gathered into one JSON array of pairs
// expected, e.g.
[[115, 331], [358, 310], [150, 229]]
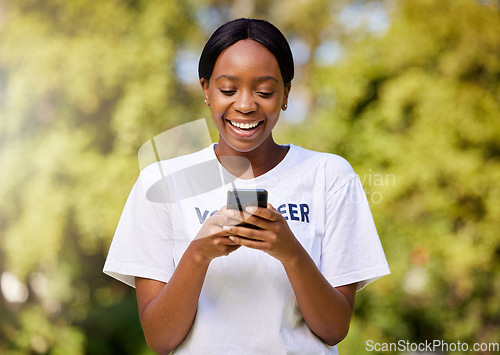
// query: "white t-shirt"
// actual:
[[247, 305]]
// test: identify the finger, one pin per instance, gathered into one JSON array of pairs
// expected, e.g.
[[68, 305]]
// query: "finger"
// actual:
[[221, 211], [249, 243], [248, 233], [223, 220], [213, 232], [235, 215], [240, 216], [218, 220], [232, 218], [225, 241], [265, 213]]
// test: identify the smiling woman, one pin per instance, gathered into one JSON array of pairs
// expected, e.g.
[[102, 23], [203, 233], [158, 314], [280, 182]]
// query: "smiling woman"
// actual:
[[288, 278]]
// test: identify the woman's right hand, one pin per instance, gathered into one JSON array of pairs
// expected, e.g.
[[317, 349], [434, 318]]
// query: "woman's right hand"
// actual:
[[167, 310], [212, 241]]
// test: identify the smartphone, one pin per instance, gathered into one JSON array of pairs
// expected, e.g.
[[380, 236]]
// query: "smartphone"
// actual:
[[240, 199]]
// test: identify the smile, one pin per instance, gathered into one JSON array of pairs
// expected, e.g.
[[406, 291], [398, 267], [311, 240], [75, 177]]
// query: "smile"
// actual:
[[246, 125]]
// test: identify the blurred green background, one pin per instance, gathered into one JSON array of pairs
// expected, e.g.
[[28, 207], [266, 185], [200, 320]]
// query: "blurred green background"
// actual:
[[407, 91]]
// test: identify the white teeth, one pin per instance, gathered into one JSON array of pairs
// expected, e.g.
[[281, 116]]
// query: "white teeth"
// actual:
[[244, 125]]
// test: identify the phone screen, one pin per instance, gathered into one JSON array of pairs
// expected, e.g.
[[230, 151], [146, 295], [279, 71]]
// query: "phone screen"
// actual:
[[240, 199]]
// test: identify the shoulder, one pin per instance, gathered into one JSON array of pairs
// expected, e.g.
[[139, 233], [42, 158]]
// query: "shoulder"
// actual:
[[329, 171], [329, 162]]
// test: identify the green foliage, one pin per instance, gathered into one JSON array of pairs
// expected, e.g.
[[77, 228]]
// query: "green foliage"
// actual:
[[83, 85], [414, 109], [420, 105]]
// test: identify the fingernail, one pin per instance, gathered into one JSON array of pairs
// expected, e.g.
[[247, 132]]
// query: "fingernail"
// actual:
[[226, 228], [229, 213], [233, 239], [251, 209]]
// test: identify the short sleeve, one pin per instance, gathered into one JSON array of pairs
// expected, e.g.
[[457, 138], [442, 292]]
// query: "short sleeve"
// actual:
[[351, 248], [142, 245]]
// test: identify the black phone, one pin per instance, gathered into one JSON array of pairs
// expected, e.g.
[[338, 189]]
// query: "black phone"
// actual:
[[242, 198]]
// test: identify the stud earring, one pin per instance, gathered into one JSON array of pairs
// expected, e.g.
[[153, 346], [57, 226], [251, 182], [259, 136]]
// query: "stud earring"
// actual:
[[284, 107]]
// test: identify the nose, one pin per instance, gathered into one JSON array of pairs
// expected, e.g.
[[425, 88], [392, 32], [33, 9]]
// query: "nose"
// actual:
[[245, 103]]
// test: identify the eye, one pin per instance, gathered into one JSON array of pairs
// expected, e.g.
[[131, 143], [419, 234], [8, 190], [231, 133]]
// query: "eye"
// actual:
[[265, 94], [228, 92]]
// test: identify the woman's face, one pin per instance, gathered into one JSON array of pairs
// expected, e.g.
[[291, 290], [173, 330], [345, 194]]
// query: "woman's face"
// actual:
[[245, 93]]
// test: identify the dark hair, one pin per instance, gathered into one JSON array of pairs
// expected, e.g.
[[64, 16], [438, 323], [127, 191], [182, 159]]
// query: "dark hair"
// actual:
[[260, 31]]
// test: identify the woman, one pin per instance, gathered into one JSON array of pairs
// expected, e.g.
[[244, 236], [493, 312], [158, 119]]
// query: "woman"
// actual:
[[206, 285]]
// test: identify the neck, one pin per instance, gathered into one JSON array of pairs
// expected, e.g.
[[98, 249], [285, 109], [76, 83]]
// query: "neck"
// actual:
[[261, 159]]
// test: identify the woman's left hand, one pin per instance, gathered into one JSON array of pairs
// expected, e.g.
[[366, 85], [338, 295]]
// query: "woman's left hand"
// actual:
[[274, 236], [326, 310]]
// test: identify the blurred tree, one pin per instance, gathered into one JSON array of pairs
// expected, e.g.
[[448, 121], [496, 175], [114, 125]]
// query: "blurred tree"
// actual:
[[416, 111], [82, 86]]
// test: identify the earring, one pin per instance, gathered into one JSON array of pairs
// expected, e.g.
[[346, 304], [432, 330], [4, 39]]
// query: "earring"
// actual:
[[284, 107]]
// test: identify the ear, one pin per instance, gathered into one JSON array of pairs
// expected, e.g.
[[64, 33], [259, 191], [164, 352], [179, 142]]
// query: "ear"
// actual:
[[288, 87], [204, 87]]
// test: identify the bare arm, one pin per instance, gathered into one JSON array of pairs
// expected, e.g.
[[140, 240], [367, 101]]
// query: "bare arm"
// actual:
[[326, 310], [167, 310]]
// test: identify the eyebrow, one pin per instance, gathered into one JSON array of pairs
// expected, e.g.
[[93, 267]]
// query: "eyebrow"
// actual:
[[235, 78]]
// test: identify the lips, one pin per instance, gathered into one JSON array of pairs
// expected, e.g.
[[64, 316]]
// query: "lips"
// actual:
[[244, 129]]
